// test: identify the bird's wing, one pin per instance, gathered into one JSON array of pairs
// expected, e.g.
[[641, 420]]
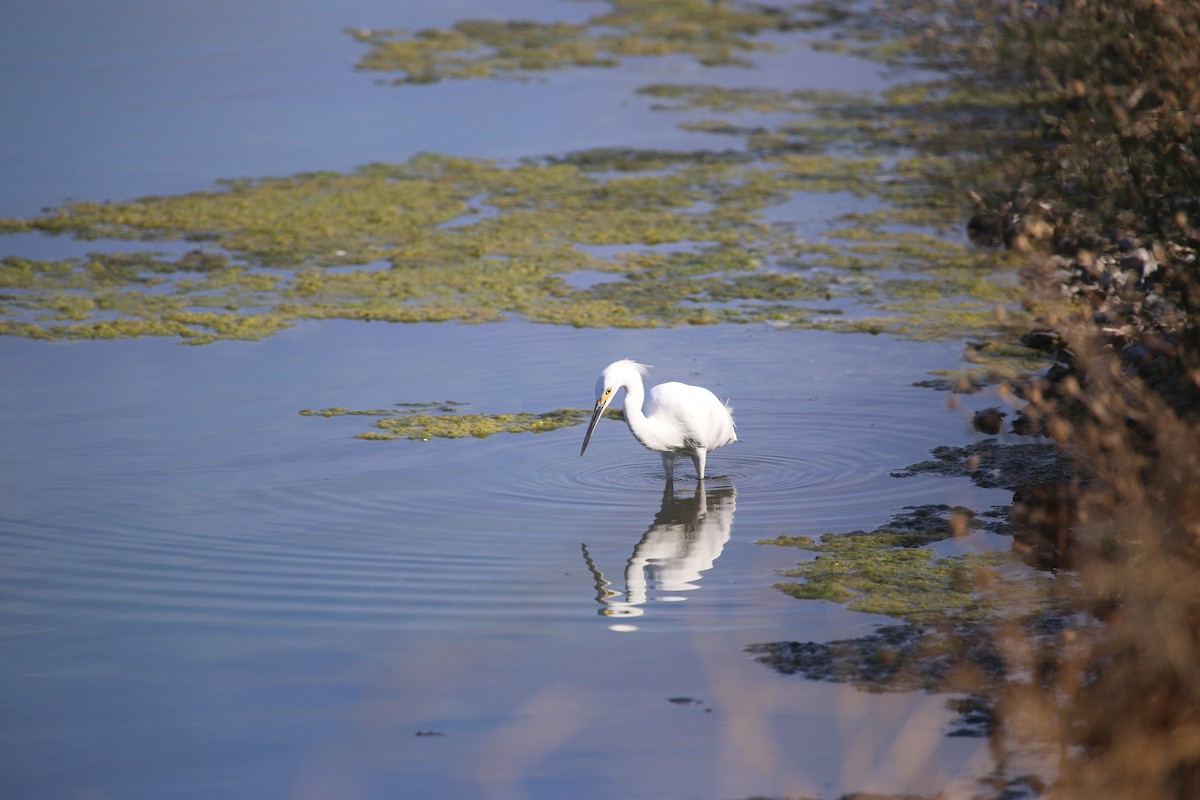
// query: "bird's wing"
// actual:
[[696, 416]]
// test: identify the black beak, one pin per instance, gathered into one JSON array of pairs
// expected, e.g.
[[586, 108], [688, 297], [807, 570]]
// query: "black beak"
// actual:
[[592, 425]]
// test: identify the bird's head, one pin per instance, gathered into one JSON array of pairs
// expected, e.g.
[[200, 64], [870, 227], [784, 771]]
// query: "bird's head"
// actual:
[[615, 376]]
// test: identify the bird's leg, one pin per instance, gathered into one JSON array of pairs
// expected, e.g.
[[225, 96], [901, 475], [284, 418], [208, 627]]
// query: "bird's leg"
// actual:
[[669, 465], [698, 460]]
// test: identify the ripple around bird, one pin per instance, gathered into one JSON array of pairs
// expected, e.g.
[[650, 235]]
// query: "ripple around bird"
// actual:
[[368, 533], [787, 464]]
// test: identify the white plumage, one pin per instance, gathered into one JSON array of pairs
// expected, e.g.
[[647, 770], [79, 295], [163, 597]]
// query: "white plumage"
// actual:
[[673, 418]]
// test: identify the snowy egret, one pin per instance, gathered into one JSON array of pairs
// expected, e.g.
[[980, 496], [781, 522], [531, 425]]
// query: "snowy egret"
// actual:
[[676, 418]]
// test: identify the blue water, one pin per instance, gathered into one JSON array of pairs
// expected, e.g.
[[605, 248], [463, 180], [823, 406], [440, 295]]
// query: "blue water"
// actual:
[[205, 594]]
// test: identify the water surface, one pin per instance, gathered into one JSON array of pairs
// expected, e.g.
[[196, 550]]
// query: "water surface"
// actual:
[[206, 594]]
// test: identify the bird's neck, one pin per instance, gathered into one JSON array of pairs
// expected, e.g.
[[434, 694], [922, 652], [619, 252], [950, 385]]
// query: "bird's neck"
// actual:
[[635, 395], [639, 425]]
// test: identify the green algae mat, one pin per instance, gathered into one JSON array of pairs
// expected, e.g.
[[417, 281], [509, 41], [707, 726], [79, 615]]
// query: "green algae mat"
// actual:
[[892, 570], [442, 238], [448, 420], [714, 34], [614, 237]]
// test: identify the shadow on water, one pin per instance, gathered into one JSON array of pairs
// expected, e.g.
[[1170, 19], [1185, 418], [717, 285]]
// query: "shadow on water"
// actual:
[[684, 541]]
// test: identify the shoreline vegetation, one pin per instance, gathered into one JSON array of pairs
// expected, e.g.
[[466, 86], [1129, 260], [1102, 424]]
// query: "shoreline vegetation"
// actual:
[[1087, 167], [1099, 185]]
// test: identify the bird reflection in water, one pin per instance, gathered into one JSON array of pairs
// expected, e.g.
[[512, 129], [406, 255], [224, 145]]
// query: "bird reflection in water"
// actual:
[[687, 536]]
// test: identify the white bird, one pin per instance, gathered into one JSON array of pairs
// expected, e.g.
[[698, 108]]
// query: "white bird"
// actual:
[[675, 417]]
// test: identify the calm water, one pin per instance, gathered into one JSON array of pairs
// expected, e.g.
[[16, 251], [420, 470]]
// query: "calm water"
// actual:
[[206, 594]]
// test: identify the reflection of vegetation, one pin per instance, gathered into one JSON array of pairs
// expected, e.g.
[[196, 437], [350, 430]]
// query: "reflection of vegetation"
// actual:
[[945, 642], [894, 658], [444, 421], [966, 626], [980, 663], [993, 465]]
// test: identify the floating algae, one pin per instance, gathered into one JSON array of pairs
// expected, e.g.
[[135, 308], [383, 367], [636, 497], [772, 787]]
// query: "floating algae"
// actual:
[[714, 34], [443, 420], [406, 243], [442, 238], [892, 571], [692, 237]]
